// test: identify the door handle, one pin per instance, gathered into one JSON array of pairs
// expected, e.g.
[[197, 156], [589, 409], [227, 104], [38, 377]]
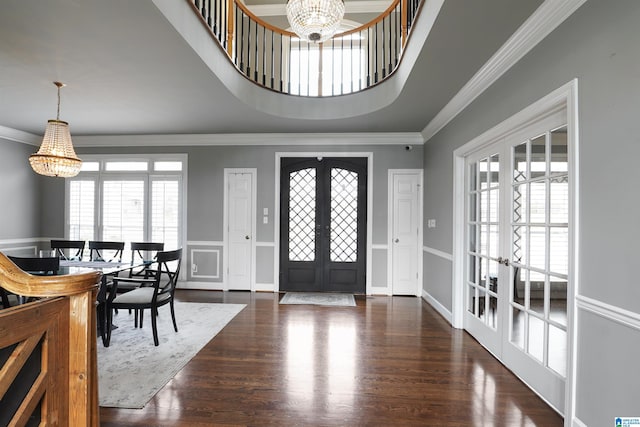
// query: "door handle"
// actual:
[[503, 261]]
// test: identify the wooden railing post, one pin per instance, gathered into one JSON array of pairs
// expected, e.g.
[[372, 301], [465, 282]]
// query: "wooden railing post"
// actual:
[[83, 367], [79, 340]]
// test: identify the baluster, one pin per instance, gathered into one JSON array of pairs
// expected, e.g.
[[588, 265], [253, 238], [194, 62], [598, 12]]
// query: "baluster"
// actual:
[[255, 55], [248, 48], [384, 74], [375, 53], [264, 60], [281, 61], [272, 59], [215, 18], [368, 57], [390, 44]]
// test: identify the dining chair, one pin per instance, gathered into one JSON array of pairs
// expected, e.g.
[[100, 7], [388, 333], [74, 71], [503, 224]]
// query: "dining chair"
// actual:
[[38, 266], [99, 249], [152, 292], [4, 298], [143, 254], [60, 245]]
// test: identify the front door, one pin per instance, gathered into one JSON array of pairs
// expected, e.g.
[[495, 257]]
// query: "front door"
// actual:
[[323, 224]]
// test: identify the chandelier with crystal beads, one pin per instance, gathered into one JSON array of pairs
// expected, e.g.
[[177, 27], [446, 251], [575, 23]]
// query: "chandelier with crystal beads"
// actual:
[[315, 20], [56, 156]]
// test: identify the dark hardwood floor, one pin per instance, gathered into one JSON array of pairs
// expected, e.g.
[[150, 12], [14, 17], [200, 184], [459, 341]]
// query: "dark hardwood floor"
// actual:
[[389, 361]]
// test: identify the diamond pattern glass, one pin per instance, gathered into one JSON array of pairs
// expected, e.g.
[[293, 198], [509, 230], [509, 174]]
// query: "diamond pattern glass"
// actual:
[[302, 215], [344, 215]]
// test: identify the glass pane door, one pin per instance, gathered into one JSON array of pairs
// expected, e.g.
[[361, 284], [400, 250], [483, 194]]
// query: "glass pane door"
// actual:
[[540, 249], [517, 253], [323, 224], [483, 249]]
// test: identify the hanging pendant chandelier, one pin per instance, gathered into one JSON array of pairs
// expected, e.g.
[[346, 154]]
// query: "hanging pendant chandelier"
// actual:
[[56, 156], [315, 20]]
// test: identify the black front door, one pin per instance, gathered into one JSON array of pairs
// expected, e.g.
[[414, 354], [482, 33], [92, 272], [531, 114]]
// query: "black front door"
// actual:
[[323, 224]]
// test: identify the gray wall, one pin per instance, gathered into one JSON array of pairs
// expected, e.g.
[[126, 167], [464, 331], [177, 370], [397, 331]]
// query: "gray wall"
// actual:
[[21, 213], [598, 44], [205, 190]]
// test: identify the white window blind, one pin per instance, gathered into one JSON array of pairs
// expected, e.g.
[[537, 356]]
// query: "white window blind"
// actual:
[[122, 199], [165, 212], [123, 211], [82, 209]]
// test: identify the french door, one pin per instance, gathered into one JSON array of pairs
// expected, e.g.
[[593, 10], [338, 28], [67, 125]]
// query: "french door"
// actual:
[[323, 224], [517, 252]]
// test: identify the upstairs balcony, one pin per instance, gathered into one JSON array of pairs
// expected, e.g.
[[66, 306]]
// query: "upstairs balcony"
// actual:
[[277, 59]]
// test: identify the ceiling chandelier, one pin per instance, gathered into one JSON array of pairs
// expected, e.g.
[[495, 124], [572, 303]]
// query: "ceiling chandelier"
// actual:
[[56, 156], [315, 20]]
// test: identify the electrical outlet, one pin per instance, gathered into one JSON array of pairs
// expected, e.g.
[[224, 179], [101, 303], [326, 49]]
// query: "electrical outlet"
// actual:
[[431, 223], [194, 268]]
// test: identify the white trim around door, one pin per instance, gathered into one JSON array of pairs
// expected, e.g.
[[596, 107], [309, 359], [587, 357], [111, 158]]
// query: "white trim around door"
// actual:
[[563, 98], [418, 176], [225, 257], [276, 217]]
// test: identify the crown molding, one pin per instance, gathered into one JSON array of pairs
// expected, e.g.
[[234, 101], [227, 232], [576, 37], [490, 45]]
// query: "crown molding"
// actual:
[[544, 20], [279, 9], [19, 136], [261, 139]]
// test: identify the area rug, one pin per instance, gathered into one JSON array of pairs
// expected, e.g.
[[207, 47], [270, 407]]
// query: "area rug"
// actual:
[[132, 370], [332, 299]]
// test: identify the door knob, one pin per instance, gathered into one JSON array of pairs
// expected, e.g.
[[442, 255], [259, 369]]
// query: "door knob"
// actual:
[[397, 240], [247, 237]]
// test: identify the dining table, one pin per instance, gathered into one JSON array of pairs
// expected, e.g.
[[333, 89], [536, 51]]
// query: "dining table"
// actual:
[[109, 269]]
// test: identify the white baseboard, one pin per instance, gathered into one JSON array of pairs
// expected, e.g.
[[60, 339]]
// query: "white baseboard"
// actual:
[[444, 312], [264, 287], [219, 286]]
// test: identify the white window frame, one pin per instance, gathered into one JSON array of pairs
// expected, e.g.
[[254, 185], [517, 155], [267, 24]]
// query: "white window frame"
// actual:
[[100, 176]]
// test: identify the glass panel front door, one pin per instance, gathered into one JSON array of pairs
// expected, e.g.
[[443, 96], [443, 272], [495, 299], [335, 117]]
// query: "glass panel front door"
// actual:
[[323, 224]]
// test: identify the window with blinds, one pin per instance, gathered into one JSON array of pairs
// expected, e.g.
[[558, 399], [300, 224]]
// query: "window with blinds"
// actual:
[[82, 209], [130, 200]]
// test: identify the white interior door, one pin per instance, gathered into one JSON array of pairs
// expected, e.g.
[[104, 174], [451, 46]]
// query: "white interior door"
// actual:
[[405, 232], [240, 220], [517, 253]]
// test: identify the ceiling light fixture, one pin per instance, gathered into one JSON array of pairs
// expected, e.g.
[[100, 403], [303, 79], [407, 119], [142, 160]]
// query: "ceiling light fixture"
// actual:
[[56, 156], [315, 20]]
